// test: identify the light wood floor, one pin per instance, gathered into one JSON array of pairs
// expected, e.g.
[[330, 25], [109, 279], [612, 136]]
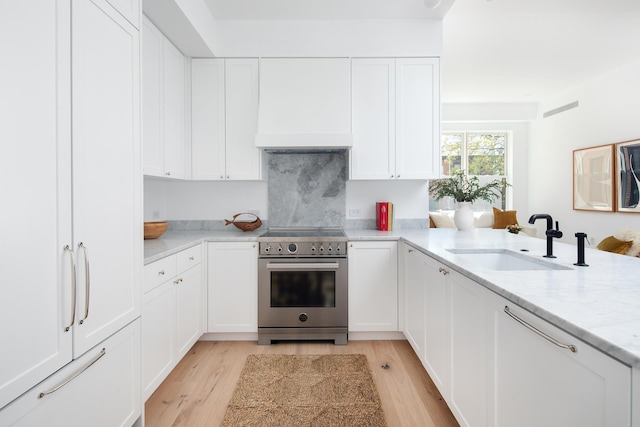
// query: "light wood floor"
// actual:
[[198, 390]]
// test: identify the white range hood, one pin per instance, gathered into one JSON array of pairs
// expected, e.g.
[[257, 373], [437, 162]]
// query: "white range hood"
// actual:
[[305, 104]]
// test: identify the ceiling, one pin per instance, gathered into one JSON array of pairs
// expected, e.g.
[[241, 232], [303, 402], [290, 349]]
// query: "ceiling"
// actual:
[[494, 50]]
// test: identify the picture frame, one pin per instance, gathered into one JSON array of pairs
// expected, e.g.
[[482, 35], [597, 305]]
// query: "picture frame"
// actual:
[[593, 178], [627, 155]]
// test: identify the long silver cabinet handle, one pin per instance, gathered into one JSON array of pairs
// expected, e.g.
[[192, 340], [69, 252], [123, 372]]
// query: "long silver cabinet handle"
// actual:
[[87, 284], [74, 376], [304, 266], [72, 262], [552, 340]]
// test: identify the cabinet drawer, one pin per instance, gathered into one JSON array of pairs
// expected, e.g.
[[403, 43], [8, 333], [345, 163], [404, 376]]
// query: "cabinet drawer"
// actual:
[[159, 272], [189, 258]]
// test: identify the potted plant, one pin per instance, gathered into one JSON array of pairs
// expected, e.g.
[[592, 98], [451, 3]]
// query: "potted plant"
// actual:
[[465, 191]]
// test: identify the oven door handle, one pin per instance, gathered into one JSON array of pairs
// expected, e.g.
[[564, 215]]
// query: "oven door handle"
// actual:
[[304, 266]]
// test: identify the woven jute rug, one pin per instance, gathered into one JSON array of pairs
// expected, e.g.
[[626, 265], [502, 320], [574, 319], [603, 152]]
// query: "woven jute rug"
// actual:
[[304, 391]]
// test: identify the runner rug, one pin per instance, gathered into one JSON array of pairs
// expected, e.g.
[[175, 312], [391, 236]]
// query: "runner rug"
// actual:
[[304, 391]]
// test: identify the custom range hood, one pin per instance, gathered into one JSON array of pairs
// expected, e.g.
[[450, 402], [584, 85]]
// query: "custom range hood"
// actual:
[[305, 104]]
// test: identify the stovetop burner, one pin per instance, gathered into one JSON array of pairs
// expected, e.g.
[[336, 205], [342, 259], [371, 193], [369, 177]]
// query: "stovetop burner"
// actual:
[[302, 242], [312, 233]]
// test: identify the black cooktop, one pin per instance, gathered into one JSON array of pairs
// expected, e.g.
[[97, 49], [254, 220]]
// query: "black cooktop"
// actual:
[[306, 232]]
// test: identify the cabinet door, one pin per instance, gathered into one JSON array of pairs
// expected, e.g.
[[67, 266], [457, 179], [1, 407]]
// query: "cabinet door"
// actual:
[[469, 350], [35, 126], [536, 383], [158, 336], [106, 171], [438, 326], [415, 303], [373, 286], [101, 388], [173, 104], [152, 88], [207, 119], [374, 118], [233, 287], [417, 118], [241, 109], [188, 316]]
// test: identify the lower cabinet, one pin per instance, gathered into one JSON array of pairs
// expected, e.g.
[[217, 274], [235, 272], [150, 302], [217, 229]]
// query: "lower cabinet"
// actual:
[[496, 364], [101, 388], [232, 285], [171, 314], [536, 382], [373, 286]]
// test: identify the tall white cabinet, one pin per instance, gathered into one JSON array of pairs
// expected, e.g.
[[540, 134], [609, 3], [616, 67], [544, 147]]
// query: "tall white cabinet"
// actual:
[[395, 118], [73, 234], [224, 99], [163, 90]]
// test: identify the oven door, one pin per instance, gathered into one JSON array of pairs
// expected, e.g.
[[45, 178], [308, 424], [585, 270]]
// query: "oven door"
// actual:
[[302, 292]]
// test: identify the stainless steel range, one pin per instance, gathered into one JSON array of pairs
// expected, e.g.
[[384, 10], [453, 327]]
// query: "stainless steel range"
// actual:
[[302, 285]]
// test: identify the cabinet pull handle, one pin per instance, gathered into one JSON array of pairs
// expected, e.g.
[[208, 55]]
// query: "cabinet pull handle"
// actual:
[[72, 262], [552, 340], [191, 258], [74, 376], [177, 281], [410, 250], [161, 273], [87, 276], [443, 271]]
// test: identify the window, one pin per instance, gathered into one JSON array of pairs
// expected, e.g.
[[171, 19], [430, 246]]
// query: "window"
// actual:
[[483, 154]]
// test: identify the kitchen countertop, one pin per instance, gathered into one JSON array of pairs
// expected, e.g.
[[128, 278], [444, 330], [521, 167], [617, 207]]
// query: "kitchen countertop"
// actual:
[[599, 304]]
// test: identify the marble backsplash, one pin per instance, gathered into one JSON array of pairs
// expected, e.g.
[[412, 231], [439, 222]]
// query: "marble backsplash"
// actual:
[[307, 189]]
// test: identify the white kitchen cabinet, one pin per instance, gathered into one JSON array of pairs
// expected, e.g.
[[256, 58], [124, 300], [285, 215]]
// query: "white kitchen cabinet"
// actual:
[[415, 299], [373, 286], [396, 118], [534, 382], [224, 119], [171, 314], [163, 98], [100, 388], [469, 349], [72, 117], [437, 324], [449, 312], [232, 287]]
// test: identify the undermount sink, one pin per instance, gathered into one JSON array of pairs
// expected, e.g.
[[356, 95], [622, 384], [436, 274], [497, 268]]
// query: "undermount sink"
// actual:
[[505, 259]]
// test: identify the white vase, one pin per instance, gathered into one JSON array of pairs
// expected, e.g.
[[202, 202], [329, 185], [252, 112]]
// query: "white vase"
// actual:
[[463, 216]]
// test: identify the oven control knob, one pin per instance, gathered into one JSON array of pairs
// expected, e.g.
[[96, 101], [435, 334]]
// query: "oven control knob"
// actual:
[[330, 248], [321, 248], [338, 248], [279, 248], [313, 249], [303, 317], [267, 248], [293, 248]]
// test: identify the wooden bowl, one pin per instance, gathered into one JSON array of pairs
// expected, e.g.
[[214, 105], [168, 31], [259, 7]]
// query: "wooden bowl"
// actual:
[[153, 230]]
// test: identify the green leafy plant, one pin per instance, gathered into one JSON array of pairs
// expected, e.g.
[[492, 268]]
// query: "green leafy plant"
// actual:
[[464, 189]]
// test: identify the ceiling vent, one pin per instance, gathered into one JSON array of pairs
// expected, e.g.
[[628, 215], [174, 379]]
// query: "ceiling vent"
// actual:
[[559, 110]]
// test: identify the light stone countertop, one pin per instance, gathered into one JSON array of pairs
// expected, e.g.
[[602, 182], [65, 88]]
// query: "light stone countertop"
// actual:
[[599, 304]]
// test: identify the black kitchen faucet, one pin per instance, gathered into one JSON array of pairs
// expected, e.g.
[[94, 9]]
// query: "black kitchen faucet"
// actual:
[[550, 233]]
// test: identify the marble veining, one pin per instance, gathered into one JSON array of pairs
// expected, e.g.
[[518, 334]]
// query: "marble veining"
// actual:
[[307, 189]]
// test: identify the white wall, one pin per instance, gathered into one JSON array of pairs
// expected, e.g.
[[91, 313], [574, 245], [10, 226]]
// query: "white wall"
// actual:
[[202, 200], [608, 112], [410, 198]]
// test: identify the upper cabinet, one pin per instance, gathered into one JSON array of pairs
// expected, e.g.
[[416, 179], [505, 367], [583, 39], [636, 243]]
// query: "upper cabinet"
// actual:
[[163, 97], [396, 118], [224, 109]]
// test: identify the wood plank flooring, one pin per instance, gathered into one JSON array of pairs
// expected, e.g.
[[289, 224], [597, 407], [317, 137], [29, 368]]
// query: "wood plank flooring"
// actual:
[[198, 390]]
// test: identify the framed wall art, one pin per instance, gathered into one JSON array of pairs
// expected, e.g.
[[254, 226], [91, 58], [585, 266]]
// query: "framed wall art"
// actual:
[[628, 176], [593, 178]]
